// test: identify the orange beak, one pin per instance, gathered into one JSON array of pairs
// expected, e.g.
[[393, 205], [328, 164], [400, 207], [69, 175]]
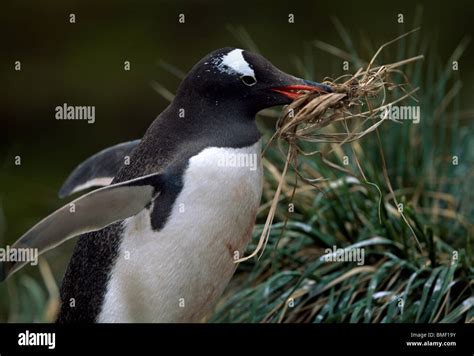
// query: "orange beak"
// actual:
[[295, 91]]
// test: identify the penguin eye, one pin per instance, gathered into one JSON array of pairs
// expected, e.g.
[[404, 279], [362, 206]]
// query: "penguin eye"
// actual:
[[248, 80]]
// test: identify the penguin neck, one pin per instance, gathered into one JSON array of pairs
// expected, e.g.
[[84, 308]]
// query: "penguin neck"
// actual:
[[220, 123], [238, 108]]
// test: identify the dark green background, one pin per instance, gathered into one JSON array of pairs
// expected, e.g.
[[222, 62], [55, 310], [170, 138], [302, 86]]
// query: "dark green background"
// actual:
[[82, 64]]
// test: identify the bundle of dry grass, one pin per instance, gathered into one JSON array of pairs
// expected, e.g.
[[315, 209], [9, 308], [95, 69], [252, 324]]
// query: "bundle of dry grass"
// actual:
[[358, 104], [362, 96]]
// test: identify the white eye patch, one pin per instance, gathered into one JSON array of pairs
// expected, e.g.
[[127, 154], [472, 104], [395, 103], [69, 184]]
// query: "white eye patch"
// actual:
[[235, 63]]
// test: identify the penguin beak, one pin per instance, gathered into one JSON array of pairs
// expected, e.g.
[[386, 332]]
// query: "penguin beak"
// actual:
[[301, 87]]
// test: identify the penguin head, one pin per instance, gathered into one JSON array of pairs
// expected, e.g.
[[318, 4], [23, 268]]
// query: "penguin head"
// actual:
[[243, 80]]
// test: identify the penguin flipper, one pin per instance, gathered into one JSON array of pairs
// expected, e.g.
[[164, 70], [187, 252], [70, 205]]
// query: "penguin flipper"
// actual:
[[98, 170], [90, 212]]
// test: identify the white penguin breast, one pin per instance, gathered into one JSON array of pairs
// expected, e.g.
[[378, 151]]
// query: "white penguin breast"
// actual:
[[178, 273]]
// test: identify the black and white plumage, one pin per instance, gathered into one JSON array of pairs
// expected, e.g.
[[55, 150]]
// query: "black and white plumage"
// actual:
[[162, 249]]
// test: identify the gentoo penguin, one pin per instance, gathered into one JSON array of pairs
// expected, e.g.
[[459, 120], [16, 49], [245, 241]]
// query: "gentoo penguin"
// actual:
[[159, 238]]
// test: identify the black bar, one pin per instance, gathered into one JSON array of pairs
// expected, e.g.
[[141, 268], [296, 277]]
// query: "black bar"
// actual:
[[317, 339]]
